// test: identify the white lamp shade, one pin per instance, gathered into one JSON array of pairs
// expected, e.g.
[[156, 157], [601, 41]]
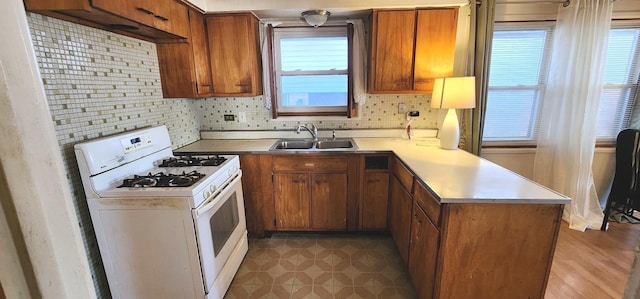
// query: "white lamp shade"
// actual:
[[454, 92], [316, 18]]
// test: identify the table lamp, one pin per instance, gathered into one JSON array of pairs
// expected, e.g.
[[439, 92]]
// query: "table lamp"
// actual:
[[452, 93]]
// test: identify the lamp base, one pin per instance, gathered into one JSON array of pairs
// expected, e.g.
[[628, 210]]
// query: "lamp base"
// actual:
[[450, 132]]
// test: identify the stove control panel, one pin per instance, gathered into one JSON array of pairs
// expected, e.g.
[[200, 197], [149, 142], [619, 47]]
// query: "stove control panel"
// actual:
[[136, 142]]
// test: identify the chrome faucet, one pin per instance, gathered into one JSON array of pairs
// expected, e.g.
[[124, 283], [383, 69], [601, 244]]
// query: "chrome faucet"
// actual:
[[313, 130]]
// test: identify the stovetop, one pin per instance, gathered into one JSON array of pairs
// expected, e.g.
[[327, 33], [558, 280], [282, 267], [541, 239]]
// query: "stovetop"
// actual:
[[162, 179], [187, 161]]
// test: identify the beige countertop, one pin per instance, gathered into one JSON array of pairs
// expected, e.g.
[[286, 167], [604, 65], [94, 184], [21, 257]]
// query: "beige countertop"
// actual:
[[456, 176]]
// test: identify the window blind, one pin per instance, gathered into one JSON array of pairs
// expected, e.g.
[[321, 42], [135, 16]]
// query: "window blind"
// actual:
[[519, 64], [622, 70]]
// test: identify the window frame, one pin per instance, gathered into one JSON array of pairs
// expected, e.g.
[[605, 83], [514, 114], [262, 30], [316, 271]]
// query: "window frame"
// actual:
[[350, 109], [627, 112], [540, 87]]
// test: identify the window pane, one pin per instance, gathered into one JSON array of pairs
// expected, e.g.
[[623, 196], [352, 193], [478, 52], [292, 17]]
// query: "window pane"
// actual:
[[517, 57], [313, 54], [614, 110], [519, 61], [621, 80], [620, 56], [314, 91], [511, 115]]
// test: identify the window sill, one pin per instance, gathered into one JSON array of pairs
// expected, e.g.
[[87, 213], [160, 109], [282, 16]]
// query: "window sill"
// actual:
[[314, 118]]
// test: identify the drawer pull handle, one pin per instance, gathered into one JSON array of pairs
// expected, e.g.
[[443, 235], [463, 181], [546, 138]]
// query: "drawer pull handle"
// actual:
[[298, 181], [373, 181], [144, 10], [162, 18], [309, 164]]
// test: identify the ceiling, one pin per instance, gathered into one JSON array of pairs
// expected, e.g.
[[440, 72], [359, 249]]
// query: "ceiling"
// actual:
[[271, 9]]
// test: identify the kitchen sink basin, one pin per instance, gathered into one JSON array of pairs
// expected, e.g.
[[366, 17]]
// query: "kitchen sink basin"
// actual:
[[338, 143], [311, 145], [292, 144]]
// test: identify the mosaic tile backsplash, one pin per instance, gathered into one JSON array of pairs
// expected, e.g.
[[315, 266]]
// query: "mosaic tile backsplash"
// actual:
[[378, 112], [99, 83]]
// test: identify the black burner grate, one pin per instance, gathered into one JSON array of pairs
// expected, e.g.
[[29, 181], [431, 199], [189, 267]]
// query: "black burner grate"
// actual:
[[161, 179], [186, 161]]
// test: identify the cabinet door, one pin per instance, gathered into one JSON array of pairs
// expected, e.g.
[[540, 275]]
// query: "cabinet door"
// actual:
[[435, 46], [204, 82], [257, 189], [392, 51], [374, 200], [185, 70], [399, 215], [423, 253], [141, 11], [171, 16], [123, 8], [329, 201], [291, 200], [234, 56]]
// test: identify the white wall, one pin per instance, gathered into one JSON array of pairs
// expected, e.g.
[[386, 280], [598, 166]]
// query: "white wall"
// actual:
[[35, 196]]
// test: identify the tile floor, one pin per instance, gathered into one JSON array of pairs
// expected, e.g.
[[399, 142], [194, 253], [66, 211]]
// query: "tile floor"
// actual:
[[322, 266]]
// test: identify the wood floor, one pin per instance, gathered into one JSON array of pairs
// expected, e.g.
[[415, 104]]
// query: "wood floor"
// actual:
[[593, 264]]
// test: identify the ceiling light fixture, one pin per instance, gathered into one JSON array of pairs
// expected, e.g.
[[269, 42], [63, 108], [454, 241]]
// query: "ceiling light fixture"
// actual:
[[316, 17]]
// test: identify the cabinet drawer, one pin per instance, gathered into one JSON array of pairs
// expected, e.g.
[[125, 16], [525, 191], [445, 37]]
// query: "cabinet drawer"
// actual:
[[427, 201], [309, 163], [404, 176]]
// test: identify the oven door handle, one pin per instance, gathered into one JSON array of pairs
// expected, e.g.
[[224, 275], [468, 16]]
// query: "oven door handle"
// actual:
[[210, 202]]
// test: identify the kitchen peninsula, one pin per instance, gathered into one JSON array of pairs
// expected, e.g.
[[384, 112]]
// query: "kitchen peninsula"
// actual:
[[465, 227]]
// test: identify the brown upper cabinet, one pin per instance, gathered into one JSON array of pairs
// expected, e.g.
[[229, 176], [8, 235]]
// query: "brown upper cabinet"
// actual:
[[235, 57], [185, 68], [410, 48], [147, 19]]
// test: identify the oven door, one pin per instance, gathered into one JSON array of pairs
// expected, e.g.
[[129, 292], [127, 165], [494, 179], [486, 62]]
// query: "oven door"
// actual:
[[220, 225]]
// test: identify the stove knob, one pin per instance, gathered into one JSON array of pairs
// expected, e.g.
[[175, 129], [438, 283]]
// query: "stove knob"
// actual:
[[233, 170], [213, 188], [206, 194]]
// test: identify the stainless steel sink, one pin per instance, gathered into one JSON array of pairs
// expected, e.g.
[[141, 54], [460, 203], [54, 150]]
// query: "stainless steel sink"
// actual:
[[337, 143], [311, 145], [292, 144]]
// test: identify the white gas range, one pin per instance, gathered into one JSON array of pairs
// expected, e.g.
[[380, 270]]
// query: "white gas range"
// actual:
[[167, 227]]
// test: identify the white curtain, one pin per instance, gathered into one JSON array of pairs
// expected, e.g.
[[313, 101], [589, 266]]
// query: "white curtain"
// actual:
[[567, 135], [359, 61], [266, 67]]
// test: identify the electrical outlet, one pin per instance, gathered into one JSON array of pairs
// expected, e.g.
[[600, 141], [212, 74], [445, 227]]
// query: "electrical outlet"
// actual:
[[412, 114], [242, 117], [229, 117], [402, 108]]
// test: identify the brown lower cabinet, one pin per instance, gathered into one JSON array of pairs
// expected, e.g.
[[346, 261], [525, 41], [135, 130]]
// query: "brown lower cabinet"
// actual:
[[423, 251], [452, 250], [310, 201], [400, 202], [312, 192]]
